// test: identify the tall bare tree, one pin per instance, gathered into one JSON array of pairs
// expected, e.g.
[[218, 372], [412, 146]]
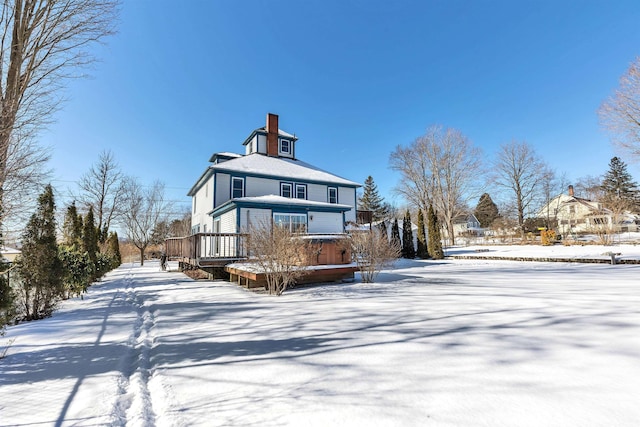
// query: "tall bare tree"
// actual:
[[103, 188], [42, 44], [143, 209], [520, 171], [551, 185], [25, 174], [620, 113], [589, 187], [441, 167]]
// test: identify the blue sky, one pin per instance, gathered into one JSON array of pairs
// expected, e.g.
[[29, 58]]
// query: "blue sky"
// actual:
[[352, 79]]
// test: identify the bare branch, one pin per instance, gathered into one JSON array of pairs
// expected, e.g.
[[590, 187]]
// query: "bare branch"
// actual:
[[620, 113]]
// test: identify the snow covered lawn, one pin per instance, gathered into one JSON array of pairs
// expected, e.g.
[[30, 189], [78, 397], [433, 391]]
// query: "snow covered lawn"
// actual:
[[450, 343]]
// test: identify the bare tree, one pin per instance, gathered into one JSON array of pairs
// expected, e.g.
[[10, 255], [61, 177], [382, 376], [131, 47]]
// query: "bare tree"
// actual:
[[280, 254], [372, 252], [143, 209], [520, 171], [589, 187], [24, 175], [102, 187], [551, 185], [42, 44], [440, 167], [620, 113]]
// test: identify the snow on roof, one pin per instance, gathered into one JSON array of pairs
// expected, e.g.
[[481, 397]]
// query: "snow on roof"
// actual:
[[279, 200], [259, 164], [228, 154]]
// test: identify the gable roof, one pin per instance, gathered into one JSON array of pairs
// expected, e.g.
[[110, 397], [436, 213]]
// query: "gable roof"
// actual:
[[282, 168]]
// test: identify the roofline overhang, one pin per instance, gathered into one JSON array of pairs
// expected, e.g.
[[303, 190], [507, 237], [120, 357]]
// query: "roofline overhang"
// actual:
[[253, 204]]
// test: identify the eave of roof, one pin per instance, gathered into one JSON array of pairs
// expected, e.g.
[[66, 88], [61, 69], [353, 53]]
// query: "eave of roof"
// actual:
[[281, 168], [274, 202]]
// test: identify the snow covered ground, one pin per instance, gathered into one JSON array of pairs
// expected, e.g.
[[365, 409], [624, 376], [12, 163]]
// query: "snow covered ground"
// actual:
[[446, 343]]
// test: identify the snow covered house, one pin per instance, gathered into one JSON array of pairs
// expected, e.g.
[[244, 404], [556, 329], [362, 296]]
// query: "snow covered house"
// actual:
[[269, 183], [467, 225], [578, 215]]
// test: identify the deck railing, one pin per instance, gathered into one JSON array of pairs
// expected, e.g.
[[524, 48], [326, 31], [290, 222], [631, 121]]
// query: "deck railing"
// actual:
[[206, 246]]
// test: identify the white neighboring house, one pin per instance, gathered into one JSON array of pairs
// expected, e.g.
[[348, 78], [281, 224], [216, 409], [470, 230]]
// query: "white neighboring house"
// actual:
[[467, 225], [578, 215], [269, 183], [9, 254]]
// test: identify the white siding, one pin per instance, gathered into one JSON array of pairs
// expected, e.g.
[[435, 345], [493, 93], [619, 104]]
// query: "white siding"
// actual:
[[261, 187], [251, 146], [228, 222], [347, 196], [262, 144], [223, 188], [317, 193], [203, 204], [325, 222], [254, 217]]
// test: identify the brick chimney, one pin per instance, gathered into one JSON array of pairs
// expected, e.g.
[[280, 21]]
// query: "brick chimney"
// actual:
[[571, 190], [272, 135]]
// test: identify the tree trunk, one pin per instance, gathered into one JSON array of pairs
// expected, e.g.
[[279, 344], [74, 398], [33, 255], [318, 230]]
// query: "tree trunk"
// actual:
[[141, 256]]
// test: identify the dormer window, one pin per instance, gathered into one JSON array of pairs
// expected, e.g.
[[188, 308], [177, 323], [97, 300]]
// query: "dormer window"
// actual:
[[285, 147]]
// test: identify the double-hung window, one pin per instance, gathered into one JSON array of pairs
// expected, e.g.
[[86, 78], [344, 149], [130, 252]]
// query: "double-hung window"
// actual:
[[285, 146], [301, 191], [237, 188], [332, 195], [286, 189]]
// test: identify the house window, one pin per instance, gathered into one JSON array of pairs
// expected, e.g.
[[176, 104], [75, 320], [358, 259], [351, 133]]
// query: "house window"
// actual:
[[296, 223], [237, 188], [286, 189], [194, 204], [333, 195], [301, 191], [285, 146]]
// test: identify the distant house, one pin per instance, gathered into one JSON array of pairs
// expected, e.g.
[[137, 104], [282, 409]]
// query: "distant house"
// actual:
[[579, 215], [467, 225], [269, 183], [9, 254]]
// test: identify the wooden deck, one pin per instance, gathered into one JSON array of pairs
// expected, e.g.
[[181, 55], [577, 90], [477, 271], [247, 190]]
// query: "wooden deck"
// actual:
[[213, 252], [249, 278], [207, 249]]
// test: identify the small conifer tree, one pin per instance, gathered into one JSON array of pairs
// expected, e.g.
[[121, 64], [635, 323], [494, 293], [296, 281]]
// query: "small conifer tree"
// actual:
[[383, 230], [113, 249], [90, 240], [618, 186], [72, 227], [486, 211], [408, 250], [421, 251], [433, 228], [40, 266], [395, 235], [371, 200]]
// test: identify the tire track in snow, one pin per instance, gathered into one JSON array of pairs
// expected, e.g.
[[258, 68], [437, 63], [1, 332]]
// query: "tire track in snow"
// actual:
[[133, 405]]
